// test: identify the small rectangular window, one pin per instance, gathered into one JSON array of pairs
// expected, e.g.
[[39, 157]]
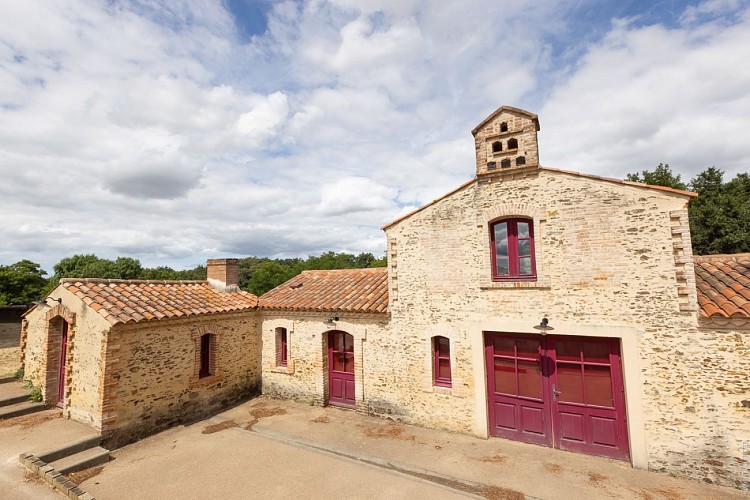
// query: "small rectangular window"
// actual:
[[283, 347], [442, 361], [205, 369]]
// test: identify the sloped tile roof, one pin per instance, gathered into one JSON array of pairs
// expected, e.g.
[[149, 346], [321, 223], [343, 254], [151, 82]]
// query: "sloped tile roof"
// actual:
[[345, 290], [723, 283], [122, 301]]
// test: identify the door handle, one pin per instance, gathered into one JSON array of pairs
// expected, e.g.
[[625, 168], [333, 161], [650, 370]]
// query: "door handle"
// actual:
[[555, 393]]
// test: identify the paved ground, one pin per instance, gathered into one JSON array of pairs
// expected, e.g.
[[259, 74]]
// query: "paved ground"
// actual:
[[293, 450], [10, 337], [37, 432]]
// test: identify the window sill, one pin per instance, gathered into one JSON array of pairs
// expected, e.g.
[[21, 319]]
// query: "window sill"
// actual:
[[204, 381], [540, 282], [285, 370], [447, 391]]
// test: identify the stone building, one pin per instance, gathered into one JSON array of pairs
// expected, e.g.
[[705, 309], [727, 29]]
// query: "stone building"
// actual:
[[132, 357], [530, 303]]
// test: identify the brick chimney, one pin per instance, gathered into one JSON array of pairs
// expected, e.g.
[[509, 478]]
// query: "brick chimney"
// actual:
[[224, 274]]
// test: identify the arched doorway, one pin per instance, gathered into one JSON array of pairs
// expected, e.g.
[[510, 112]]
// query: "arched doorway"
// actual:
[[341, 369]]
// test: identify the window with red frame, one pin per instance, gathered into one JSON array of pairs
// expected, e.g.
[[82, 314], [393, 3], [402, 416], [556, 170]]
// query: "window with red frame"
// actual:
[[512, 248], [442, 361], [283, 340], [205, 366]]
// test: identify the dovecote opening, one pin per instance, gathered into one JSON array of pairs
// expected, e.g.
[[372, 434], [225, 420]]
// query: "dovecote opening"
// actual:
[[512, 143], [497, 146]]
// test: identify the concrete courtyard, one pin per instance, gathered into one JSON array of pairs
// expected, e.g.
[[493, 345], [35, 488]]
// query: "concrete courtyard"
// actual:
[[269, 448]]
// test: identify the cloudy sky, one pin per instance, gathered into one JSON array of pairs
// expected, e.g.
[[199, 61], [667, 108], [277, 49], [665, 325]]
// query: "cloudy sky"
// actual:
[[176, 130]]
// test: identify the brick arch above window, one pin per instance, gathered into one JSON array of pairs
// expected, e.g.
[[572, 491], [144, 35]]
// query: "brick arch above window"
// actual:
[[508, 210], [198, 331]]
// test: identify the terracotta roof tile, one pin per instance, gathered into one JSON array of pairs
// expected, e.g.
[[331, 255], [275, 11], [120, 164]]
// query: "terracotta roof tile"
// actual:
[[723, 284], [340, 290], [123, 301]]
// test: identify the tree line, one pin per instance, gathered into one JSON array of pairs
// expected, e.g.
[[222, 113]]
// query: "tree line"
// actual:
[[26, 282]]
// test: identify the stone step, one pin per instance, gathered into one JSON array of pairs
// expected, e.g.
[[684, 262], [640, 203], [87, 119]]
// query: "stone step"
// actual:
[[69, 449], [12, 400], [81, 460], [18, 409], [13, 392]]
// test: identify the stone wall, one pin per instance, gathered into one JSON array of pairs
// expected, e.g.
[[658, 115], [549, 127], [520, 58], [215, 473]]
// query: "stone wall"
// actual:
[[611, 262], [84, 366], [305, 376], [151, 381]]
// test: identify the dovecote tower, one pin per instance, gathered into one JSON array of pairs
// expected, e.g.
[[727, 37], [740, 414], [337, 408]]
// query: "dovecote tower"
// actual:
[[506, 140]]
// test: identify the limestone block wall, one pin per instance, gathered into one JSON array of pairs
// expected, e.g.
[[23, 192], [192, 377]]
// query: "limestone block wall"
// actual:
[[84, 365], [611, 260], [152, 382]]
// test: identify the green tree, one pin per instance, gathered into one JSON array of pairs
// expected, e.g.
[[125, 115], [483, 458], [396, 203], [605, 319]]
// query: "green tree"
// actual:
[[268, 275], [720, 214], [21, 283], [662, 175]]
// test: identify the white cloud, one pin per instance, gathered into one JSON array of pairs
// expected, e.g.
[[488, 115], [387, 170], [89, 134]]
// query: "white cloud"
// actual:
[[146, 128], [651, 94]]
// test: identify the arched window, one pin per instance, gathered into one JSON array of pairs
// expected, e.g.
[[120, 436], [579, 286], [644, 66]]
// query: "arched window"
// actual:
[[504, 127], [505, 163], [441, 361], [206, 359], [512, 144], [512, 250], [497, 146], [521, 160]]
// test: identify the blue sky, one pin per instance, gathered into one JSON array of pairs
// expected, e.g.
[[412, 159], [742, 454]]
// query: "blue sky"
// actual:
[[175, 131]]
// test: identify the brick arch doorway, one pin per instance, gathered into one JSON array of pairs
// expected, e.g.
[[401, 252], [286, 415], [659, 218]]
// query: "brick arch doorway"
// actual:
[[341, 369]]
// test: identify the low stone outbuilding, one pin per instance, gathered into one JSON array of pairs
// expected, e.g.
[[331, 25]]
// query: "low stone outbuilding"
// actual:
[[133, 357]]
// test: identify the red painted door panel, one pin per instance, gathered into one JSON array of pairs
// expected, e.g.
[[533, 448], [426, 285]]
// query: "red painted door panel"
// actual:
[[341, 369], [588, 403], [63, 354], [516, 389], [557, 391]]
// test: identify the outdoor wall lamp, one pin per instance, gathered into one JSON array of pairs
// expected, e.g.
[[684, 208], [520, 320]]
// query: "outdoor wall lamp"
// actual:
[[543, 326], [332, 321]]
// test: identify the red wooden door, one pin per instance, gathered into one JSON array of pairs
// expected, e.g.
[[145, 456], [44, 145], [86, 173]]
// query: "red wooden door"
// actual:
[[517, 404], [560, 391], [587, 396], [63, 354], [341, 369]]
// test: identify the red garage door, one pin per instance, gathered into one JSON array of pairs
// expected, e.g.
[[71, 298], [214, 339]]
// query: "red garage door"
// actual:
[[559, 391]]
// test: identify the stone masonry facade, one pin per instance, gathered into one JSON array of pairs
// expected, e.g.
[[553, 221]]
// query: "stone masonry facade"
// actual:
[[613, 260]]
